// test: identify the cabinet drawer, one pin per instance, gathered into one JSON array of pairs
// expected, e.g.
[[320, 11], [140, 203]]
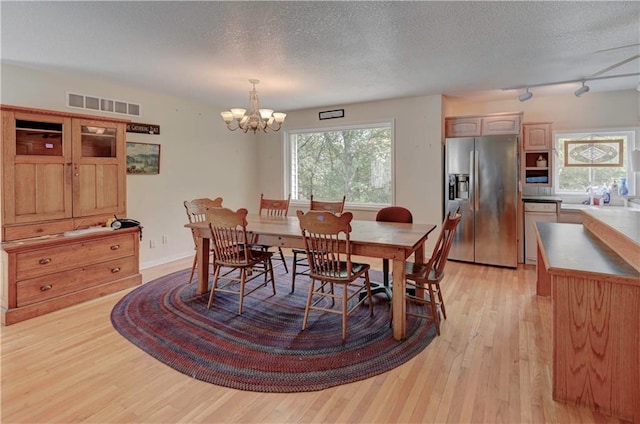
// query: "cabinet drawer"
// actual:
[[49, 286], [19, 232], [68, 256]]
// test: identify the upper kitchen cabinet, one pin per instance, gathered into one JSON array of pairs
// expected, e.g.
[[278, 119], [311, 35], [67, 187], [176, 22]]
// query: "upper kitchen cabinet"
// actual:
[[537, 137], [60, 171], [475, 126], [463, 126], [537, 154]]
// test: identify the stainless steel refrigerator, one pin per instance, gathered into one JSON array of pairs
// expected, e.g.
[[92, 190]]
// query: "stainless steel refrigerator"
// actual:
[[481, 176]]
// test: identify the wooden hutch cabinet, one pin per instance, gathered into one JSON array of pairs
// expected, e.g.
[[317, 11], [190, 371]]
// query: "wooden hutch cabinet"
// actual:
[[62, 172]]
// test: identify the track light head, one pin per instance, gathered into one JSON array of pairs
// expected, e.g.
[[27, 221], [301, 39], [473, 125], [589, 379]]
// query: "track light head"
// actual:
[[526, 95], [580, 91]]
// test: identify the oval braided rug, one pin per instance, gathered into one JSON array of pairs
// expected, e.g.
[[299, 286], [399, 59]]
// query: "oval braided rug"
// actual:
[[264, 349]]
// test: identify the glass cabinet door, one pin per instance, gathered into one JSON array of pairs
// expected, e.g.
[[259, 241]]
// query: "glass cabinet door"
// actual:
[[37, 167], [98, 141], [99, 173], [38, 138]]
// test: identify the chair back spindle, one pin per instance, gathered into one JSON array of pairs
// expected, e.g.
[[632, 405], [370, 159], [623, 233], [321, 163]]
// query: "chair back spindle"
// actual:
[[231, 248], [197, 212], [329, 206], [274, 207], [443, 244], [327, 240], [229, 235], [328, 251]]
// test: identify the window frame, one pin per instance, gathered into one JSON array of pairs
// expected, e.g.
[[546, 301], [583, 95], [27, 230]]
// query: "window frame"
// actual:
[[351, 126], [633, 141]]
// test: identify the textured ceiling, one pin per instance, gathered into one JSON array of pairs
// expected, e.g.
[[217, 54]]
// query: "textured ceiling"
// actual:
[[310, 54]]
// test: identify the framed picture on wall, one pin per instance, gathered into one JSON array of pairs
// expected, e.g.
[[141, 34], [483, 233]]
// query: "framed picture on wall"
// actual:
[[143, 158]]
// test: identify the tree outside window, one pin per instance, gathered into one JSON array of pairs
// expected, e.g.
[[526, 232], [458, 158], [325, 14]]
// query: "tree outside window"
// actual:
[[351, 161]]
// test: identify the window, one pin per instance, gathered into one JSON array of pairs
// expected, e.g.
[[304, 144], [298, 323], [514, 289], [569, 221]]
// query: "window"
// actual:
[[593, 158], [354, 161]]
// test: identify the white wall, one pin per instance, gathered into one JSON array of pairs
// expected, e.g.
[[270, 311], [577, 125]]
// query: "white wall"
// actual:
[[595, 110], [199, 156], [611, 109], [417, 155]]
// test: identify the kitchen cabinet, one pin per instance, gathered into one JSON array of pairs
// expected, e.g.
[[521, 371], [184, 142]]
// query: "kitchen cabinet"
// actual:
[[592, 274], [569, 216], [535, 212], [481, 125], [536, 137], [537, 154], [62, 172], [58, 170], [43, 275]]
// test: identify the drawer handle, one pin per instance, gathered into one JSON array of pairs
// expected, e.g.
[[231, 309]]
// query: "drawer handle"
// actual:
[[44, 261], [116, 269], [115, 247], [46, 287]]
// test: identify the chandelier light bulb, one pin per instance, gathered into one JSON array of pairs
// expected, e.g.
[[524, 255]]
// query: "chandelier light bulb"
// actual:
[[255, 119]]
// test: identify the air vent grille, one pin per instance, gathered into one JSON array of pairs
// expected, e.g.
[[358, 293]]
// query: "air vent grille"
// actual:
[[83, 101]]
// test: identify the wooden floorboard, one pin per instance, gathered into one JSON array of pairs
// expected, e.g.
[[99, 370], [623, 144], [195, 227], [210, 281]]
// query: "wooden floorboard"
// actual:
[[491, 364]]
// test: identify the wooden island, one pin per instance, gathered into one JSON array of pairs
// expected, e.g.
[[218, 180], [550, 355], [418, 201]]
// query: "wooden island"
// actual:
[[592, 273]]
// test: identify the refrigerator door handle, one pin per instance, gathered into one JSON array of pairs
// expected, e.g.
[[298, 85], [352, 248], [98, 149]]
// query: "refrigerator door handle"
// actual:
[[472, 182], [476, 178]]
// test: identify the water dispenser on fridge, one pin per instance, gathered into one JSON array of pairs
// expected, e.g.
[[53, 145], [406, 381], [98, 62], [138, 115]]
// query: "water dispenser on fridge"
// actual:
[[458, 186]]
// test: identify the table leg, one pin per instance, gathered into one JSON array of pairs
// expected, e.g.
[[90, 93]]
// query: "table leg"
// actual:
[[399, 303], [419, 259], [203, 264]]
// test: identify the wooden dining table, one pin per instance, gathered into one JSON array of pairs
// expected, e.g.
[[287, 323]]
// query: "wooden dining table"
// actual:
[[387, 240]]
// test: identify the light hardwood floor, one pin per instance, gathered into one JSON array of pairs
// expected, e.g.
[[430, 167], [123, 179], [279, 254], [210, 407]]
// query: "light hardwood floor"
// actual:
[[491, 364]]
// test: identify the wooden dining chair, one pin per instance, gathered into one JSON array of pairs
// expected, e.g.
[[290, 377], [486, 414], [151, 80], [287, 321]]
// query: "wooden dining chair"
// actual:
[[425, 278], [389, 214], [197, 212], [328, 248], [229, 237], [275, 208], [299, 255]]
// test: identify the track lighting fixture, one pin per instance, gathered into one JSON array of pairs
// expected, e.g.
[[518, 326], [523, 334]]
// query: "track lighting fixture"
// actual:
[[526, 96], [580, 91]]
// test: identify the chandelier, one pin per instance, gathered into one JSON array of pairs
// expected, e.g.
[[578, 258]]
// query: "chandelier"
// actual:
[[256, 119]]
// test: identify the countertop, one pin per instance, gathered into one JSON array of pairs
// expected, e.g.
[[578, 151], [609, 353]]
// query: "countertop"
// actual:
[[581, 206], [573, 248], [625, 221]]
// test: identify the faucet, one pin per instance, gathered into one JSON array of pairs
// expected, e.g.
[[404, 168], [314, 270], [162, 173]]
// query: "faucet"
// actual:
[[590, 191]]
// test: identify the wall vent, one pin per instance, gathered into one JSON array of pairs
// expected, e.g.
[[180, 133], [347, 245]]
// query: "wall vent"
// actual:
[[83, 101]]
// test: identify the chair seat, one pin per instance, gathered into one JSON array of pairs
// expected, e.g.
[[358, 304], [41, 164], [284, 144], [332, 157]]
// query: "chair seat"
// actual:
[[343, 274], [258, 246], [257, 256], [419, 272]]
